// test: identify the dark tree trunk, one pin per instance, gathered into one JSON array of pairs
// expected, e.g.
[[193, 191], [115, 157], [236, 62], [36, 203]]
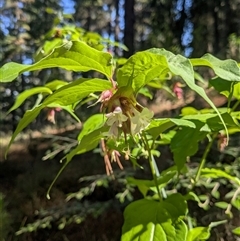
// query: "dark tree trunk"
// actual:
[[129, 19], [116, 27]]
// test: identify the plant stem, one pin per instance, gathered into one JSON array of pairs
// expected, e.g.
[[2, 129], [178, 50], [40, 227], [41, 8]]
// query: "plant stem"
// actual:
[[153, 165], [235, 106], [190, 226], [203, 160]]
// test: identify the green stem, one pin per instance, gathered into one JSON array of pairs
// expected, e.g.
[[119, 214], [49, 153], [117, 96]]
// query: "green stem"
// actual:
[[153, 165], [190, 225], [235, 106], [203, 160]]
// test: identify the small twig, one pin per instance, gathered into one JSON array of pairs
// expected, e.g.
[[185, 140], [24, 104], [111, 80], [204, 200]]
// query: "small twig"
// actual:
[[203, 160], [57, 151], [152, 164]]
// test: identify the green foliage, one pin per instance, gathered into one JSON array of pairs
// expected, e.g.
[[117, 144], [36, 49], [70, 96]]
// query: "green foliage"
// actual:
[[125, 128], [151, 220], [73, 55]]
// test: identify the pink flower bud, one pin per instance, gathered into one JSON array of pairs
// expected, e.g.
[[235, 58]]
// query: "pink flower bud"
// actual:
[[178, 91]]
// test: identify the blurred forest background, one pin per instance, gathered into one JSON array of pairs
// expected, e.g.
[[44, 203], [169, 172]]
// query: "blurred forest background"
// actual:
[[187, 27]]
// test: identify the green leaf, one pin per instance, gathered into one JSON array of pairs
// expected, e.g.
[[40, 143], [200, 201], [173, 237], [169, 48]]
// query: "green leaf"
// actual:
[[222, 205], [212, 120], [55, 84], [92, 123], [142, 67], [236, 91], [77, 90], [73, 55], [158, 126], [146, 185], [10, 71], [221, 85], [185, 143], [216, 173], [189, 111], [236, 231], [153, 221], [63, 97], [28, 117], [182, 66], [146, 92], [87, 143], [198, 234], [26, 94], [236, 203], [70, 110], [215, 123], [226, 69]]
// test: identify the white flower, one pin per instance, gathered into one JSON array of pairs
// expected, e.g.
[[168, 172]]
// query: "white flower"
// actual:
[[140, 120], [116, 117], [115, 120]]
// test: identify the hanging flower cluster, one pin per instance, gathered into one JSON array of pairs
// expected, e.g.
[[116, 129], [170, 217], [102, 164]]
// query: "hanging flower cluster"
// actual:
[[125, 115]]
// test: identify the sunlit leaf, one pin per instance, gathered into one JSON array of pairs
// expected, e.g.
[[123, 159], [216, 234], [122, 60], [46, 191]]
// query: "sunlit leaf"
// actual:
[[92, 123], [217, 173], [154, 221], [63, 97], [158, 126], [236, 231], [142, 67], [28, 117], [226, 69], [87, 143], [77, 90], [73, 55], [27, 93], [55, 84], [199, 234]]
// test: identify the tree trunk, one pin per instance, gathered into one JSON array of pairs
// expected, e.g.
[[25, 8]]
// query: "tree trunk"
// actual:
[[129, 19]]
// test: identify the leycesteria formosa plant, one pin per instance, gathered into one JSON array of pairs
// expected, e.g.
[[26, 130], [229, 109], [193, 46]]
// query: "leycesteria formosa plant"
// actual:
[[124, 129]]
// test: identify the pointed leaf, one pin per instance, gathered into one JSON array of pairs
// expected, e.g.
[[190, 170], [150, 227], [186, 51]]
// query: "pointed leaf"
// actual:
[[28, 117], [77, 90], [55, 84], [222, 205], [26, 94], [144, 66], [213, 121], [199, 234], [158, 126], [63, 97], [216, 173], [87, 143], [226, 69], [74, 55], [10, 71], [70, 110], [92, 123], [181, 66], [236, 231]]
